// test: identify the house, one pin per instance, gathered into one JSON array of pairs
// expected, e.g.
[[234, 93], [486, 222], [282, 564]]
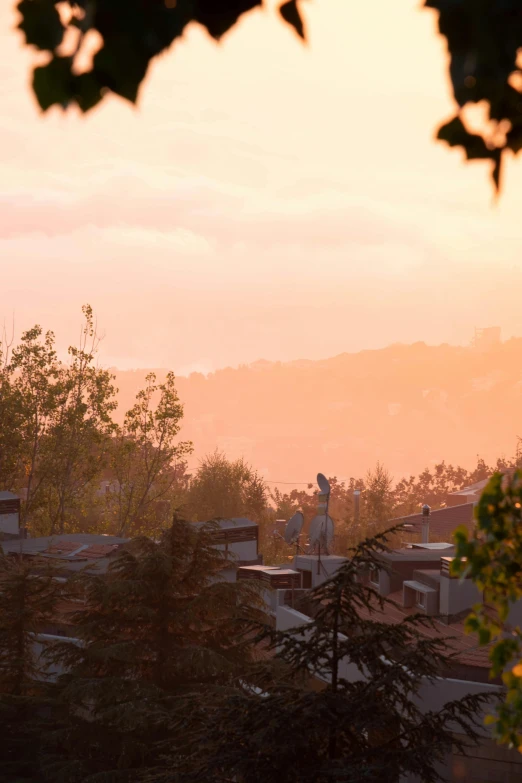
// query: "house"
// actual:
[[417, 578], [94, 552], [469, 494], [278, 584], [472, 493], [74, 552], [9, 515], [239, 539], [442, 522]]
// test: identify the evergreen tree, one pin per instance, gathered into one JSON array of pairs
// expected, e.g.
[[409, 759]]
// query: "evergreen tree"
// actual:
[[162, 637], [366, 727], [28, 599]]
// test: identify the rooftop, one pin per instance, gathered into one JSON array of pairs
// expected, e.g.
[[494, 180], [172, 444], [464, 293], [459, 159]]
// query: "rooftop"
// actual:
[[442, 521], [415, 555], [228, 524], [464, 647], [5, 495], [75, 550]]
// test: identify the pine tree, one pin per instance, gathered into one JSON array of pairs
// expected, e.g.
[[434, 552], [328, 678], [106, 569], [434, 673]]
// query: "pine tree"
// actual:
[[28, 598], [162, 636], [368, 727]]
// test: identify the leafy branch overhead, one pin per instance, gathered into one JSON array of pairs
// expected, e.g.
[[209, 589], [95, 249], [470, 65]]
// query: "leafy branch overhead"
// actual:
[[133, 33], [483, 39]]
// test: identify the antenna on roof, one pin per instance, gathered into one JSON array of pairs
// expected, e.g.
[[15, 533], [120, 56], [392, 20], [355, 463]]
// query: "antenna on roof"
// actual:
[[322, 526], [293, 529], [425, 528], [323, 484]]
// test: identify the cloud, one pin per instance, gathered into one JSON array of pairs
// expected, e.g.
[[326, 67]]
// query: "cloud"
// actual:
[[223, 215]]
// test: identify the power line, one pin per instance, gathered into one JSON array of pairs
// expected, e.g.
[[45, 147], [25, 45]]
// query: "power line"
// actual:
[[273, 481], [267, 481]]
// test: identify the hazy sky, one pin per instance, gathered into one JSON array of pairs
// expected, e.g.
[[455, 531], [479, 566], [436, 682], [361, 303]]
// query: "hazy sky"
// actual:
[[266, 199]]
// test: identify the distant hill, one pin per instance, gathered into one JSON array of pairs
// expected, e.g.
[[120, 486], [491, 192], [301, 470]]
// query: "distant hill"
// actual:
[[406, 405]]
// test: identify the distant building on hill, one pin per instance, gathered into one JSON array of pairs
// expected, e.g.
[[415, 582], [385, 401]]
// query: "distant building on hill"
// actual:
[[486, 339]]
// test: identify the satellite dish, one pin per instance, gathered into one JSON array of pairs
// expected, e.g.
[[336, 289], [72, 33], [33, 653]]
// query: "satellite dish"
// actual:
[[323, 483], [321, 530], [293, 528]]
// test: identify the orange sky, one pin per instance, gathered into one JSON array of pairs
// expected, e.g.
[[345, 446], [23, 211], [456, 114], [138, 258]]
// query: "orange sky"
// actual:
[[265, 200]]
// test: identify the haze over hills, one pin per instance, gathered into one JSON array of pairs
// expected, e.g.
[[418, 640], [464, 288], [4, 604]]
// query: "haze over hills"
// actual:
[[408, 406]]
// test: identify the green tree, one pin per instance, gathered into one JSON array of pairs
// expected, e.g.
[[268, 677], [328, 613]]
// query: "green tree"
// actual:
[[161, 638], [368, 727], [222, 489], [27, 601], [76, 446], [492, 557], [11, 422], [431, 487], [378, 496], [32, 386], [145, 457]]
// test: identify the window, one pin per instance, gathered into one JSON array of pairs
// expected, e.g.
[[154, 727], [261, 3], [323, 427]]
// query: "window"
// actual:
[[420, 599], [374, 576]]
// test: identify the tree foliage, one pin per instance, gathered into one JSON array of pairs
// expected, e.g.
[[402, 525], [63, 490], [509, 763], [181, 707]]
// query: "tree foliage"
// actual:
[[483, 40], [76, 447], [368, 726], [144, 456], [492, 557], [133, 33], [380, 500], [59, 440], [161, 637], [30, 383], [26, 603], [223, 489]]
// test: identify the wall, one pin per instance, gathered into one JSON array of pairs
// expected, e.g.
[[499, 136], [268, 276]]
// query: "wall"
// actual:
[[42, 642], [9, 523], [243, 550], [457, 595], [389, 582], [515, 614], [288, 618], [328, 565]]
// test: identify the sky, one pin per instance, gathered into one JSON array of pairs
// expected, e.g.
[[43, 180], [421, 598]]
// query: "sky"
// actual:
[[264, 200]]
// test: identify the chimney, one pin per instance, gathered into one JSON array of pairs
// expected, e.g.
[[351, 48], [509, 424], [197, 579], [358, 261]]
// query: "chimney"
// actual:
[[425, 530], [356, 504]]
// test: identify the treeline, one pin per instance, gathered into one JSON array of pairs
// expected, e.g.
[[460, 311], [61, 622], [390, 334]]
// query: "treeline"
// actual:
[[78, 470], [61, 450], [171, 674]]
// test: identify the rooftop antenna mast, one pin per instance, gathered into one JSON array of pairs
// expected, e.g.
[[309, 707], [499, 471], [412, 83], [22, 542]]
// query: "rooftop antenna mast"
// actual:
[[322, 527], [293, 530]]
